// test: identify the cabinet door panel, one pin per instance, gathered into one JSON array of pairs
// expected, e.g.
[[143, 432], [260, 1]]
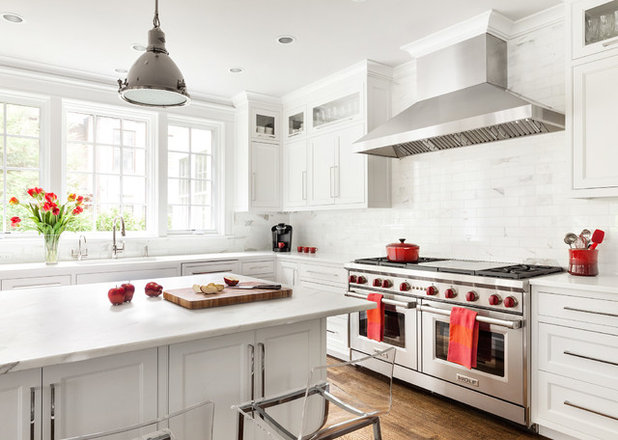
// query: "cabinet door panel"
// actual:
[[264, 175], [125, 275], [295, 174], [34, 282], [594, 108], [19, 403], [322, 170], [287, 273], [287, 355], [351, 168], [216, 369], [100, 394]]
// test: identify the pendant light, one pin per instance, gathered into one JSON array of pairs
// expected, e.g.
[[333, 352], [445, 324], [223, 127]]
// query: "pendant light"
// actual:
[[154, 80]]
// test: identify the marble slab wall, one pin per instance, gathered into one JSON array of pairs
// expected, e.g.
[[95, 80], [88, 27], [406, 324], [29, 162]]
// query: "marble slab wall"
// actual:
[[504, 201]]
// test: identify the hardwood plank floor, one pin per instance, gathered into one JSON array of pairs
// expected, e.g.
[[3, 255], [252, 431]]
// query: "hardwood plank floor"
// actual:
[[420, 415]]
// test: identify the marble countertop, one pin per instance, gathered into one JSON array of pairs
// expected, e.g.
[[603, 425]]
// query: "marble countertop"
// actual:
[[73, 323], [601, 283], [318, 257]]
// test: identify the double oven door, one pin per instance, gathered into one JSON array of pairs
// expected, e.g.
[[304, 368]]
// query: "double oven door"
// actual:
[[399, 328], [501, 362]]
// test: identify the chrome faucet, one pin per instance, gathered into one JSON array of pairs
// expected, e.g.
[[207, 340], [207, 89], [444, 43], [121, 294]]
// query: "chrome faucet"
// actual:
[[81, 252], [117, 248]]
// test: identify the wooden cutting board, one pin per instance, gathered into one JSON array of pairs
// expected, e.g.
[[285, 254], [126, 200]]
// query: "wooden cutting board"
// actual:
[[187, 298]]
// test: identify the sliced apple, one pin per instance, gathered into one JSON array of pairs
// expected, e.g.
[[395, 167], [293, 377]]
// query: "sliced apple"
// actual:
[[209, 289], [230, 280], [197, 288], [219, 287]]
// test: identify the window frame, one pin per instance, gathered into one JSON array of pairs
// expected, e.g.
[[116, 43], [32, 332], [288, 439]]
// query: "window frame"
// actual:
[[152, 179], [218, 182], [43, 103]]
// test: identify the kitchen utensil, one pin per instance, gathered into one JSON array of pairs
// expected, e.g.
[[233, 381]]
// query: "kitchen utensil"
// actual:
[[570, 238], [585, 235], [402, 252], [597, 238], [579, 243], [188, 299], [250, 285]]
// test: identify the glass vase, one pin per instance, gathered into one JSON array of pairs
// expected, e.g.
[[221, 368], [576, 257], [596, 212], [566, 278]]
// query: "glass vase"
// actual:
[[51, 248]]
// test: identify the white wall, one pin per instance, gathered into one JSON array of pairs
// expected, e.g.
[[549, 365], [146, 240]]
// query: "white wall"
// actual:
[[504, 201]]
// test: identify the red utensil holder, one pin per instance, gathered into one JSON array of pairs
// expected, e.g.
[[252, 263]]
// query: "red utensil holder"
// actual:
[[584, 262]]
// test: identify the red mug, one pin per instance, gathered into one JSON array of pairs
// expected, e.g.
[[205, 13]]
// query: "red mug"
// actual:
[[306, 249], [281, 245], [313, 249], [299, 248]]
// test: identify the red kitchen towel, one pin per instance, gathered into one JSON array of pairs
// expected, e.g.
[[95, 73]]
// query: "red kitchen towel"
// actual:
[[463, 337], [375, 318]]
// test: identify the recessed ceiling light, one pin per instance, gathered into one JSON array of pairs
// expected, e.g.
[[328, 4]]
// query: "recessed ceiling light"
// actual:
[[121, 70], [236, 69], [138, 47], [286, 39], [12, 17]]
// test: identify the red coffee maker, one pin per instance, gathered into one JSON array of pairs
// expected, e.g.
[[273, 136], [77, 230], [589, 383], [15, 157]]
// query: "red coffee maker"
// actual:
[[282, 237]]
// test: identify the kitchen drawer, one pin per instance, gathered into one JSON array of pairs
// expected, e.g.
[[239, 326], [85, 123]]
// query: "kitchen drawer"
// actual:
[[34, 282], [126, 275], [337, 324], [265, 276], [579, 409], [588, 356], [205, 267], [323, 274], [251, 268], [578, 309]]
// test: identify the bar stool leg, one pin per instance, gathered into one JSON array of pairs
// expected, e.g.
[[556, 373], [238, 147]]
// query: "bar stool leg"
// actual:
[[241, 426], [377, 432]]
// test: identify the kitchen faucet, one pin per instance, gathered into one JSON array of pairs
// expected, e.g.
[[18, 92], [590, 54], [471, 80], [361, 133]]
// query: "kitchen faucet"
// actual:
[[81, 252], [116, 248]]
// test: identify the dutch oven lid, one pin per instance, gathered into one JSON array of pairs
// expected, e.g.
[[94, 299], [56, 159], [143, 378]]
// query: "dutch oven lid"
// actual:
[[402, 244]]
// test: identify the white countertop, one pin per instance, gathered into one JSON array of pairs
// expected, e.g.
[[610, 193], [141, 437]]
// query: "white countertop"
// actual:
[[72, 323], [318, 257], [600, 283]]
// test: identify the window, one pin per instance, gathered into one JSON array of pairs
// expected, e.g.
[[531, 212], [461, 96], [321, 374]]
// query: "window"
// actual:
[[192, 203], [107, 162], [20, 156]]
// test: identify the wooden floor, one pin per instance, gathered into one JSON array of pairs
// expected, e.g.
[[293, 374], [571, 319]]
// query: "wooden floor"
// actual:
[[419, 415]]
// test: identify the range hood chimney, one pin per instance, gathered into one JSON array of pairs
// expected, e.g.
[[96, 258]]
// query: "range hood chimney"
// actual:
[[463, 101]]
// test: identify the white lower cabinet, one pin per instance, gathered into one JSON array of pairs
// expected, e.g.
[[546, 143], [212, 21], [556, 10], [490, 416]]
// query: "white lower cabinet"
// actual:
[[99, 394], [287, 273], [34, 282], [20, 405], [205, 267], [575, 363], [235, 368], [126, 275]]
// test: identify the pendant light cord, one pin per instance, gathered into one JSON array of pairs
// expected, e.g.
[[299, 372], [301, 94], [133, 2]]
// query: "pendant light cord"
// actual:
[[155, 21]]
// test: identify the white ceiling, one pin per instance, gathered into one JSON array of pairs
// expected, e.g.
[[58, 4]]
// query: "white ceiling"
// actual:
[[206, 37]]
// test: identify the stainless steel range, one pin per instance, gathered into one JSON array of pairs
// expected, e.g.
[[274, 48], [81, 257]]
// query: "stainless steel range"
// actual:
[[418, 298]]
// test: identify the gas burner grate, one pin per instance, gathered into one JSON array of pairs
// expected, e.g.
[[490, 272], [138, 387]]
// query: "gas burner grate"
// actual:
[[519, 271], [383, 261]]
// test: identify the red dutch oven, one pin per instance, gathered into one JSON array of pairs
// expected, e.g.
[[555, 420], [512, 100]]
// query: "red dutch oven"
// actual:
[[402, 252]]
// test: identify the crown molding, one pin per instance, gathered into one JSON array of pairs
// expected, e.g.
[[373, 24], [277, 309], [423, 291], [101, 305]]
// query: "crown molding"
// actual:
[[92, 81], [247, 97], [490, 21]]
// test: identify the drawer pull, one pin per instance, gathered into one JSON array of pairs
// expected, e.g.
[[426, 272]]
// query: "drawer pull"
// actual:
[[331, 331], [567, 403], [324, 273], [610, 43], [589, 358], [32, 412], [572, 309]]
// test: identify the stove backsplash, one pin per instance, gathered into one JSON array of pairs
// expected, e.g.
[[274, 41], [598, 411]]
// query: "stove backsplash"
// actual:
[[505, 201]]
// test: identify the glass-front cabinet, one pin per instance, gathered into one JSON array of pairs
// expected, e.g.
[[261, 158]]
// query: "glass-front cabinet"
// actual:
[[265, 124], [338, 110], [594, 25], [294, 120]]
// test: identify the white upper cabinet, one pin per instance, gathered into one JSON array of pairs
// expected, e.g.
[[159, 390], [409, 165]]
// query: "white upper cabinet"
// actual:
[[295, 122], [265, 126], [265, 176], [294, 173], [594, 26]]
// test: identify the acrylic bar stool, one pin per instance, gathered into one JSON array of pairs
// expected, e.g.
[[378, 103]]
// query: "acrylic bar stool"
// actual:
[[175, 426], [329, 406]]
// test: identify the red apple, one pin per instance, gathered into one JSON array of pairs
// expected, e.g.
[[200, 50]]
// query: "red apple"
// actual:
[[230, 280], [153, 289], [129, 290], [116, 295]]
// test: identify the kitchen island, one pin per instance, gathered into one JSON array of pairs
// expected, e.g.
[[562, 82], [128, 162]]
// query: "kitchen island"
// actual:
[[72, 363]]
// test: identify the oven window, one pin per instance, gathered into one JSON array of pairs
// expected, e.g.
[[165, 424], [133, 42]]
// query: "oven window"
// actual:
[[490, 353], [394, 326]]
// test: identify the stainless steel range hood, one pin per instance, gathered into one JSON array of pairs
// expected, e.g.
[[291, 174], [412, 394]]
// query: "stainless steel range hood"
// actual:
[[463, 102]]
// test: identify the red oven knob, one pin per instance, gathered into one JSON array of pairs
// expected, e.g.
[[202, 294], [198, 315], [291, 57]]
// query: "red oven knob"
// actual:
[[471, 296], [361, 280], [450, 293], [404, 287], [387, 283], [494, 300], [431, 290], [352, 279], [377, 282], [509, 302]]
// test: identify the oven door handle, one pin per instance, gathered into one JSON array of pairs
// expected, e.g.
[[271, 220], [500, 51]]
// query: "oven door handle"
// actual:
[[484, 319], [390, 302]]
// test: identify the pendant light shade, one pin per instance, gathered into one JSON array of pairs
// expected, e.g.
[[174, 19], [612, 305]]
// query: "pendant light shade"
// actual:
[[154, 80]]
